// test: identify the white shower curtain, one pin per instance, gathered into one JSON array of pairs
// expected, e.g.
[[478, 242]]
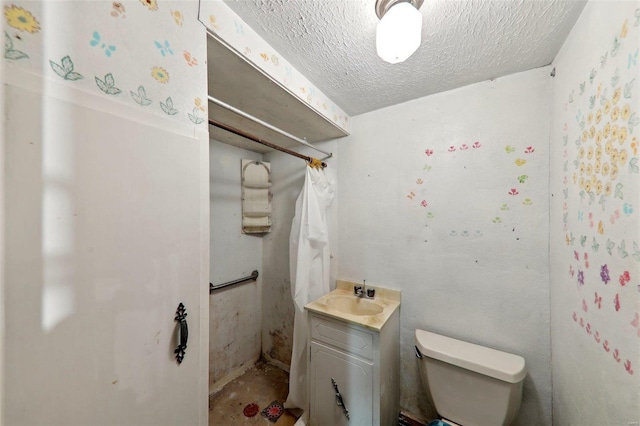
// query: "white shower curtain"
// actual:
[[309, 270]]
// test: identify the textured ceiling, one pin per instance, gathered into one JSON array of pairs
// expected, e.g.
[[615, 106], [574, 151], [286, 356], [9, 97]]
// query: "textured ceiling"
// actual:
[[332, 42]]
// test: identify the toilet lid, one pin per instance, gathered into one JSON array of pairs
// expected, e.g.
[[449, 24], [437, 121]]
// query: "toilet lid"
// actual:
[[490, 362]]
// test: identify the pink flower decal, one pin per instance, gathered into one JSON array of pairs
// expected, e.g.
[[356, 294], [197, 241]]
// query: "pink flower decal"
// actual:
[[429, 152], [605, 345], [571, 271], [616, 355], [452, 148], [513, 192], [476, 144], [596, 336], [576, 255], [464, 147], [584, 306], [586, 260], [598, 301], [624, 278], [574, 316], [636, 323], [424, 203], [581, 322], [627, 366], [615, 216], [529, 150], [616, 302], [588, 329]]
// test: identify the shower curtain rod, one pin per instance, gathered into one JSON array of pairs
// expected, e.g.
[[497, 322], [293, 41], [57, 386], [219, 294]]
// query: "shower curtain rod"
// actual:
[[267, 125], [253, 138]]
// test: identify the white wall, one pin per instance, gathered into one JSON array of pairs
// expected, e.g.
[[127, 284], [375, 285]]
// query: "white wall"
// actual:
[[104, 239], [473, 263], [235, 313], [595, 326], [3, 144], [278, 311], [106, 214]]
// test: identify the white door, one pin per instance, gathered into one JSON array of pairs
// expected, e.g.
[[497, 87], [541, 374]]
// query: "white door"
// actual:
[[354, 380], [104, 238]]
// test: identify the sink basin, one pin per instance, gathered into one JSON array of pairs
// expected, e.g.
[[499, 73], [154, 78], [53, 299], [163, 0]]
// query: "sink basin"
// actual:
[[341, 304], [354, 305]]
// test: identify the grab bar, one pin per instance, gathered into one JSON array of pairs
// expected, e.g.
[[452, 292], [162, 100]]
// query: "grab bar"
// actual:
[[253, 277]]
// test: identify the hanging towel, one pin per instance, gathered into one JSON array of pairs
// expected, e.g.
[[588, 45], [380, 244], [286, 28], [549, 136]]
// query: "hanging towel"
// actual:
[[309, 270], [256, 196]]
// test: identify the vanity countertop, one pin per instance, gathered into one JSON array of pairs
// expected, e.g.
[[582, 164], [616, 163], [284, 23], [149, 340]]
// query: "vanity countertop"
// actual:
[[387, 299]]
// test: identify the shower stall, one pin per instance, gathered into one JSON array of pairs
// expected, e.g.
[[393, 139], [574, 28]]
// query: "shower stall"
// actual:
[[251, 315]]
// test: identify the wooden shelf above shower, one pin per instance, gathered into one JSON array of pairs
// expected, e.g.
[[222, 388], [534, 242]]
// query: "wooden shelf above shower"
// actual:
[[235, 81]]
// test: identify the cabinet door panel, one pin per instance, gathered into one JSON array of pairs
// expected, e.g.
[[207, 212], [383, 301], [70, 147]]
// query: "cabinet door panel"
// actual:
[[355, 382]]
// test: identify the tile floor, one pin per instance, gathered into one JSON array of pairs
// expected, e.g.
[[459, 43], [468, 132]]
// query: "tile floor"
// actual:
[[260, 385]]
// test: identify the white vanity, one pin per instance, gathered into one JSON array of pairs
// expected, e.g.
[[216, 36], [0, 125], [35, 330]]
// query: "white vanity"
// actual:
[[354, 368]]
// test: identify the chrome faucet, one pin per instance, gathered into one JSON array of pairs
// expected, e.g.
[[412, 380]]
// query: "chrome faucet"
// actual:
[[363, 291]]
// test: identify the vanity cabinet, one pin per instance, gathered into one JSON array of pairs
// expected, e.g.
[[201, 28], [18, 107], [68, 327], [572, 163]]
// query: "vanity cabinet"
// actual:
[[364, 364], [353, 377]]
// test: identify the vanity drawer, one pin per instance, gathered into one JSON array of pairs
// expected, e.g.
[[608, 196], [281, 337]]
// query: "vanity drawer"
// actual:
[[342, 336]]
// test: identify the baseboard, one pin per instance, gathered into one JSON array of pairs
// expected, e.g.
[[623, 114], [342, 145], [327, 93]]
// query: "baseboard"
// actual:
[[281, 365], [217, 386]]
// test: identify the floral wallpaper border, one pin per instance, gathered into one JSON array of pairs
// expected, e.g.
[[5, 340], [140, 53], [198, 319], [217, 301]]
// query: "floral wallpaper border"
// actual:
[[141, 52]]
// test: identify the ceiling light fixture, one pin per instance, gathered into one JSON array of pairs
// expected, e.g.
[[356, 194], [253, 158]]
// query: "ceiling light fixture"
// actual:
[[399, 30]]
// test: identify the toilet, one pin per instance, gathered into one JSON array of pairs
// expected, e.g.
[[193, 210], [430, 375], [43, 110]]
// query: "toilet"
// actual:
[[468, 384]]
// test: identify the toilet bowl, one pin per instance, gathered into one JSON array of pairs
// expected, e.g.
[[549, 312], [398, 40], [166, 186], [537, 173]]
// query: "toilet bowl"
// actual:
[[468, 384]]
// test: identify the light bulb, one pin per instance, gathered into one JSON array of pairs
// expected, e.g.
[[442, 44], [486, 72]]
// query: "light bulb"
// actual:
[[399, 32]]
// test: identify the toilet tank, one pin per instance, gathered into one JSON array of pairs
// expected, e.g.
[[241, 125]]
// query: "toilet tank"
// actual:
[[470, 384]]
